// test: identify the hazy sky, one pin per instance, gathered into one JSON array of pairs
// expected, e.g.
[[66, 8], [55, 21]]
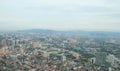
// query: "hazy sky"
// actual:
[[95, 15]]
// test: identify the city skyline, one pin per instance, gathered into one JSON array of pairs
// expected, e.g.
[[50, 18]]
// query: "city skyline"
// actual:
[[92, 15]]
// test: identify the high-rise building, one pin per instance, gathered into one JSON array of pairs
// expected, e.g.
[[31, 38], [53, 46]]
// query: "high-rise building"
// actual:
[[3, 43], [101, 58], [1, 38], [63, 58], [36, 44]]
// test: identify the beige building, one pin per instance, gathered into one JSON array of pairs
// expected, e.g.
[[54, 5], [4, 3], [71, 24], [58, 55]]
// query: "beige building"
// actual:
[[3, 51], [35, 44], [3, 43]]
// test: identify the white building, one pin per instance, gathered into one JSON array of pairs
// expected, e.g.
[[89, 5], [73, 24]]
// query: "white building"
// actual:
[[63, 58], [113, 60], [110, 58]]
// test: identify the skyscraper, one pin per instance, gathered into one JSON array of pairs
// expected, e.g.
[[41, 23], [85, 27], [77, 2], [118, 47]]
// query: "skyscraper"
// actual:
[[101, 58], [36, 44], [3, 43]]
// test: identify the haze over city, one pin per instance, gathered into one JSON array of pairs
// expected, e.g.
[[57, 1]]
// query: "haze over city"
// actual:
[[93, 15], [59, 35]]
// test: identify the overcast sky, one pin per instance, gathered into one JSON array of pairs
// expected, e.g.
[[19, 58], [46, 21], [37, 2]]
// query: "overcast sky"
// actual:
[[93, 15]]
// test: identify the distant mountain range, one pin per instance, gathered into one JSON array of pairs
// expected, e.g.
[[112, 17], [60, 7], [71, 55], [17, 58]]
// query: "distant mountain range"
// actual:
[[94, 33], [73, 31], [37, 31]]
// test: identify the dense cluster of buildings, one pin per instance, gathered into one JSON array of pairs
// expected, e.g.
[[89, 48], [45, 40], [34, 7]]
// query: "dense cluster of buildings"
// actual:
[[55, 52]]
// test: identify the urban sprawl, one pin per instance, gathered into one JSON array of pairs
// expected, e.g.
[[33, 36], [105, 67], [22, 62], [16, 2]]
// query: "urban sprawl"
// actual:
[[63, 51]]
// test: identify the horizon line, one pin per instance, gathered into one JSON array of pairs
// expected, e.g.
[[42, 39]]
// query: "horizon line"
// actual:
[[63, 30]]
